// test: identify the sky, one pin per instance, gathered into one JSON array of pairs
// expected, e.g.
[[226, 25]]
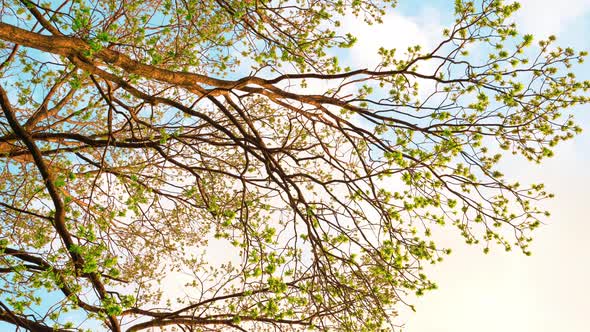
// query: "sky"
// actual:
[[502, 291], [508, 292]]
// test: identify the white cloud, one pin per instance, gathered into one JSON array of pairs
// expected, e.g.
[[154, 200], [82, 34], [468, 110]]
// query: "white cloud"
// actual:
[[506, 291], [509, 291], [546, 17], [397, 31]]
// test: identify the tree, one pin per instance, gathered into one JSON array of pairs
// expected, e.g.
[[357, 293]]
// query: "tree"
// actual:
[[137, 135]]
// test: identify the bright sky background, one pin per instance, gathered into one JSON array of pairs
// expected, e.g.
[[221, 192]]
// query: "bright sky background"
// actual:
[[508, 292]]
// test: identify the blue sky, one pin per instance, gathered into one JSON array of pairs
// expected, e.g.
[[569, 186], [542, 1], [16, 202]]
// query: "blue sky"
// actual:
[[509, 291]]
